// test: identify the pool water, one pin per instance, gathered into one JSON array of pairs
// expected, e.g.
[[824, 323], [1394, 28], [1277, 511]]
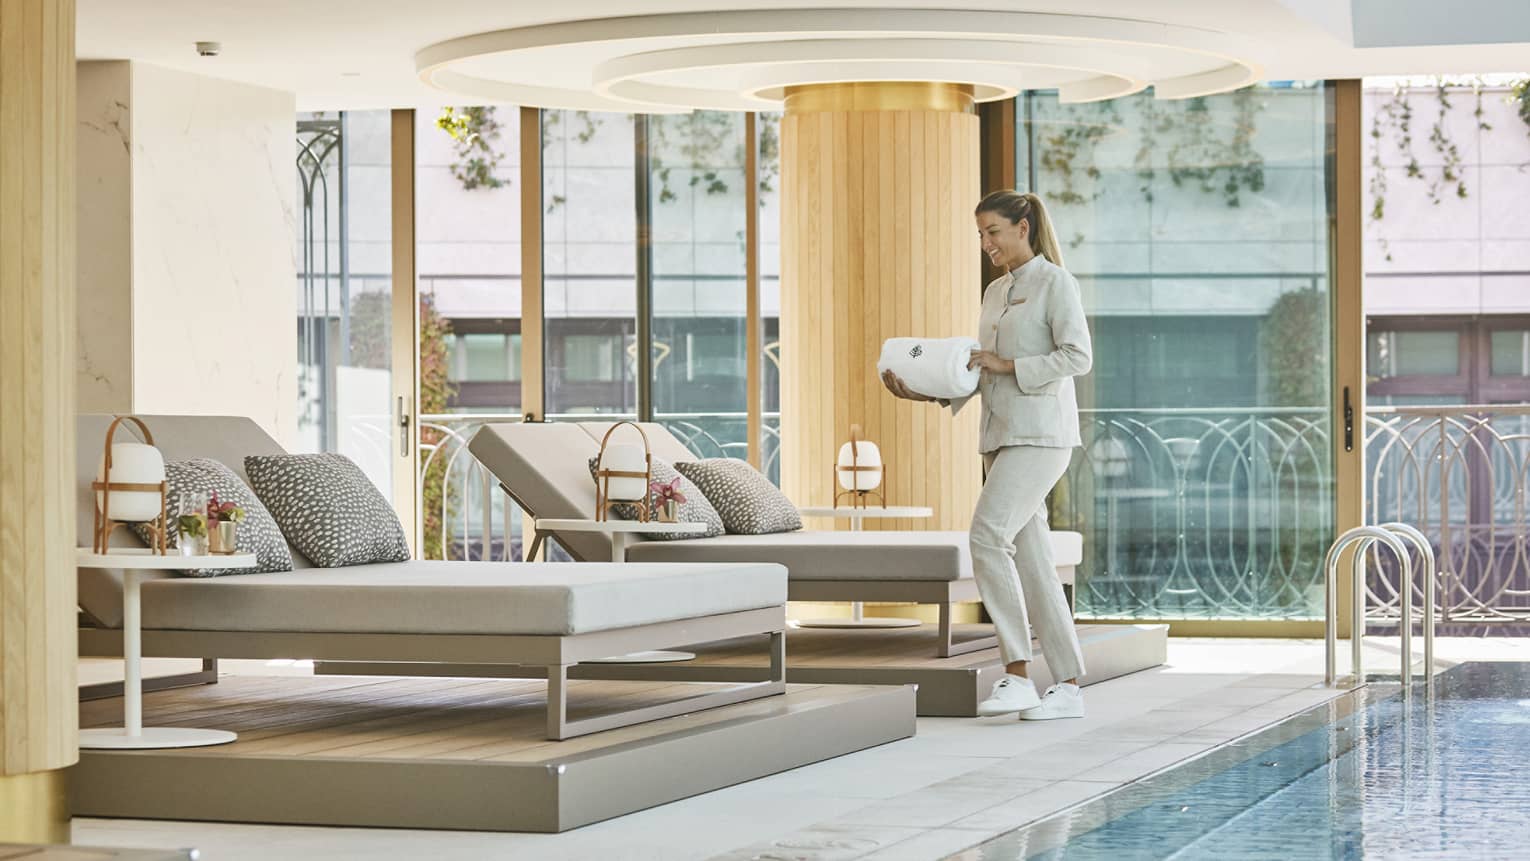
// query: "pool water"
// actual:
[[1377, 773]]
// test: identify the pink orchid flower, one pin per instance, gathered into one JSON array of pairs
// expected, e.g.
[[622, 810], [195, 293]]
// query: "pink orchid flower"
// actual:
[[666, 491]]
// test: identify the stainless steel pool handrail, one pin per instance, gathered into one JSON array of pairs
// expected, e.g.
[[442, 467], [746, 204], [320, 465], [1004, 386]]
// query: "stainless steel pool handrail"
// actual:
[[1364, 537], [1426, 555]]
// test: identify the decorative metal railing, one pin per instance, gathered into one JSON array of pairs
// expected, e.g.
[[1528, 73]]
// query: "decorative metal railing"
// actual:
[[467, 516], [1186, 513], [1458, 473], [1201, 513]]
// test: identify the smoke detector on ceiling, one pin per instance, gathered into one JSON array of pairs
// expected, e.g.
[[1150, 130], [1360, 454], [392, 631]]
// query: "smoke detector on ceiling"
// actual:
[[209, 49]]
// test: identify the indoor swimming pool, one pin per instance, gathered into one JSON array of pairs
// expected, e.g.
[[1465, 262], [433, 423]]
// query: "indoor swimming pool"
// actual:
[[1374, 774]]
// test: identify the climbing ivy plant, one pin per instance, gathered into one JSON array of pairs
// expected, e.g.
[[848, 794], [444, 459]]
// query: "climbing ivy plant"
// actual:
[[1519, 93], [1196, 148], [474, 132], [1394, 116]]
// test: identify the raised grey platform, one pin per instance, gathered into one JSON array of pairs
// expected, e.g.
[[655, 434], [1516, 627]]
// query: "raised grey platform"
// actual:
[[459, 754], [948, 687]]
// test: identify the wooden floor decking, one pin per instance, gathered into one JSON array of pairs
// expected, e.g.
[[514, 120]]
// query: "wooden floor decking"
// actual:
[[950, 687], [459, 752]]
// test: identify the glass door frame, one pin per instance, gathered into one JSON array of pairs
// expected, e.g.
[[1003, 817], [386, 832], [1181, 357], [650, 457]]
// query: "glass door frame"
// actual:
[[405, 335]]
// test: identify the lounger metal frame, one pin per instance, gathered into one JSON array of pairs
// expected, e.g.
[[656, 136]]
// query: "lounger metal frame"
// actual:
[[553, 653], [943, 593]]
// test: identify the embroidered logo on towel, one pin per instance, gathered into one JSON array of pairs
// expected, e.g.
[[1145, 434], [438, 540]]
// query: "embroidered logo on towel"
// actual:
[[916, 352]]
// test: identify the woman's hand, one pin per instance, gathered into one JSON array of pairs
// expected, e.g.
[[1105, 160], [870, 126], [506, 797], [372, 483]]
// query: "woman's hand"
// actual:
[[897, 387], [985, 360]]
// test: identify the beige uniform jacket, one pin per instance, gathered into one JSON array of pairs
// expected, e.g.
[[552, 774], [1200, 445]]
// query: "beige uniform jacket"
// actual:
[[1035, 316]]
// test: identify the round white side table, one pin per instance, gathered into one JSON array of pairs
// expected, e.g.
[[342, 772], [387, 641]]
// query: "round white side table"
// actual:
[[133, 735], [617, 531], [856, 516]]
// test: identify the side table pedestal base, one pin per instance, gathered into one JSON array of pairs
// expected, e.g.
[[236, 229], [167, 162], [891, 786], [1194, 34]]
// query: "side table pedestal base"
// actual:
[[152, 737]]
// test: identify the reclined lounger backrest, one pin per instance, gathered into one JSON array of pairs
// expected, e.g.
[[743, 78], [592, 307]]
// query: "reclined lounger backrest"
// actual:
[[545, 465], [226, 439]]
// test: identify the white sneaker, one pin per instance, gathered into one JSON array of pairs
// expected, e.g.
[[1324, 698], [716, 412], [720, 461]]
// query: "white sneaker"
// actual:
[[1010, 694], [1060, 701]]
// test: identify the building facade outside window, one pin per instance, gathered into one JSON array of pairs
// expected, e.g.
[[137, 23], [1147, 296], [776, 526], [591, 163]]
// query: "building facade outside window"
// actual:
[[1198, 232]]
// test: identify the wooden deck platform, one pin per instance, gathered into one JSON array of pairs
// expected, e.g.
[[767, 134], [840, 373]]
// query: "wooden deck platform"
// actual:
[[458, 753], [948, 687]]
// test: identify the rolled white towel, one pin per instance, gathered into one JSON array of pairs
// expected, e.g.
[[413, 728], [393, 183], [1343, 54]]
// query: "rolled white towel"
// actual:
[[932, 366]]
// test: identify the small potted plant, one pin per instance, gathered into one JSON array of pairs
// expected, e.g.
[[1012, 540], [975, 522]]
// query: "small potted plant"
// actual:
[[191, 532], [667, 498], [222, 525]]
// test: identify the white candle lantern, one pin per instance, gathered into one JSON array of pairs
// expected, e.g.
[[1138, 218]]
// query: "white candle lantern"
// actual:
[[858, 470], [622, 474], [130, 487]]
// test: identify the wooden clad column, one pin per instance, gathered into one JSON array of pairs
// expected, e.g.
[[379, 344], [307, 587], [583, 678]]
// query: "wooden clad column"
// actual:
[[877, 241], [38, 697]]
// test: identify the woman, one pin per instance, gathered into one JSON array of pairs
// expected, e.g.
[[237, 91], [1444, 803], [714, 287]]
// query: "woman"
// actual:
[[1035, 341]]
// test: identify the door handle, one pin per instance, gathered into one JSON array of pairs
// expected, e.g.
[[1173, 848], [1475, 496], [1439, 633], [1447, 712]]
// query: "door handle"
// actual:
[[1349, 422], [403, 428]]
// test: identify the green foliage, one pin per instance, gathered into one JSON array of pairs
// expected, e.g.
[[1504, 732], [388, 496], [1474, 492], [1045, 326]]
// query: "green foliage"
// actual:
[[436, 390], [1293, 340], [1520, 94], [1198, 153], [768, 129], [1185, 136], [702, 141], [1395, 115], [192, 525], [474, 132]]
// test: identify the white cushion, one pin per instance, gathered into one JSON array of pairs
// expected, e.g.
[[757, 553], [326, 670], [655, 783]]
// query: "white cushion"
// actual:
[[436, 597]]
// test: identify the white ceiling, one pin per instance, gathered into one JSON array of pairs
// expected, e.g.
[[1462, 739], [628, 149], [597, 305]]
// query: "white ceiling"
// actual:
[[362, 53]]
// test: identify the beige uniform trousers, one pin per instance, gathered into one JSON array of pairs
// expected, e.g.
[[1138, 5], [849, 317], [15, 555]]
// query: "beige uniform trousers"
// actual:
[[1012, 558]]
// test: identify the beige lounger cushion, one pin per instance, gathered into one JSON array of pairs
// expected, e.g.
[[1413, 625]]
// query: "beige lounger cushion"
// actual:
[[434, 597], [841, 555], [844, 555]]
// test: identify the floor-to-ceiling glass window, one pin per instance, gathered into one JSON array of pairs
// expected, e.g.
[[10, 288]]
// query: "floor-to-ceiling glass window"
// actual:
[[1198, 230], [468, 260], [589, 229], [1448, 340], [344, 288], [768, 166], [697, 216]]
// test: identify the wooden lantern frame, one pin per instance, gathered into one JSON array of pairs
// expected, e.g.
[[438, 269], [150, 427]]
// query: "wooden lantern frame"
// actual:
[[603, 476], [858, 498], [103, 526]]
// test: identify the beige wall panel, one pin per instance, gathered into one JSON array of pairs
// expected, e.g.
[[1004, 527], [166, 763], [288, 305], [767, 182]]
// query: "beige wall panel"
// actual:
[[876, 243], [104, 372], [214, 250], [38, 723]]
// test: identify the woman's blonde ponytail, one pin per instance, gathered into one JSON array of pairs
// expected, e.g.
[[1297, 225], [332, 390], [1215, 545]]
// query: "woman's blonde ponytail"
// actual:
[[1015, 207], [1043, 237]]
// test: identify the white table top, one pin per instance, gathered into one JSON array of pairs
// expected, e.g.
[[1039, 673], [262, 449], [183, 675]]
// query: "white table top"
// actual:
[[141, 559], [609, 527], [867, 511]]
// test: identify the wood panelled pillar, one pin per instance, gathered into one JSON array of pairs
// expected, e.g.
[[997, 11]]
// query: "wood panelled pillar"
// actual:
[[878, 183], [38, 696]]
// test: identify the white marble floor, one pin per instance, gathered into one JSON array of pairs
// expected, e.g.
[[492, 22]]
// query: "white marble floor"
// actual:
[[956, 783]]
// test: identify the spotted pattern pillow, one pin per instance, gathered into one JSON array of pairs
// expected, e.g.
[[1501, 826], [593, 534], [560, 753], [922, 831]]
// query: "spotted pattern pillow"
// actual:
[[328, 509], [695, 508], [746, 500], [256, 533]]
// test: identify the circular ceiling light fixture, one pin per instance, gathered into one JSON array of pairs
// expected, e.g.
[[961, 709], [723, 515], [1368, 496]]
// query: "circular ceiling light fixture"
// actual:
[[745, 60]]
